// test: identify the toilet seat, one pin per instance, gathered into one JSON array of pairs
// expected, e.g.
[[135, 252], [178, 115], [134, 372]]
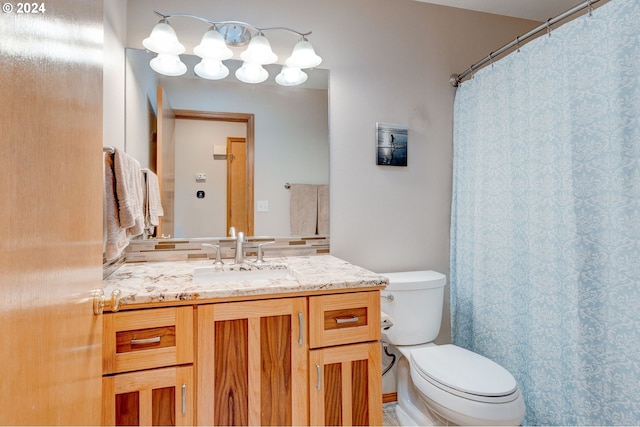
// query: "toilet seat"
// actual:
[[463, 373]]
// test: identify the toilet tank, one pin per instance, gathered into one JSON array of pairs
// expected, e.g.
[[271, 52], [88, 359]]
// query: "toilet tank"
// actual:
[[414, 300]]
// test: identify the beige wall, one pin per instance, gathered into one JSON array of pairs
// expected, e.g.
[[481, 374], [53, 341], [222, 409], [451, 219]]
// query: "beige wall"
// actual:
[[390, 61]]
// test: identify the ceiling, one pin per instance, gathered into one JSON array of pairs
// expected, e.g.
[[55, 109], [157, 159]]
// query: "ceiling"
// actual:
[[537, 10]]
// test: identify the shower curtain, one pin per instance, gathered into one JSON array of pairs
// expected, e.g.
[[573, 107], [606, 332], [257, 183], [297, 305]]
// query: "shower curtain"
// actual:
[[545, 233]]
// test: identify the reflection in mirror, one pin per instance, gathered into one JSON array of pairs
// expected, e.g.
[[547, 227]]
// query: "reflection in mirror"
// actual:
[[291, 142]]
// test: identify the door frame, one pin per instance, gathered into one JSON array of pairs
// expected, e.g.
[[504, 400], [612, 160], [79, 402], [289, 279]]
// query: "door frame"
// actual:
[[249, 120]]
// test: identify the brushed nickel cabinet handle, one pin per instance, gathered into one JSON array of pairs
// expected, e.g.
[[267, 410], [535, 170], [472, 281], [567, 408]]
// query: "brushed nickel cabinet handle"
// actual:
[[184, 398], [319, 384], [352, 319], [145, 341], [300, 325]]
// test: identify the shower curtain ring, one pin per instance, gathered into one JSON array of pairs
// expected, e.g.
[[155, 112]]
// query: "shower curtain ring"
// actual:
[[518, 43], [491, 59], [548, 27], [590, 6]]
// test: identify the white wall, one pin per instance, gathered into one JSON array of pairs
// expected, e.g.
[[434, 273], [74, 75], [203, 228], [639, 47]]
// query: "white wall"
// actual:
[[141, 96], [115, 32], [390, 61]]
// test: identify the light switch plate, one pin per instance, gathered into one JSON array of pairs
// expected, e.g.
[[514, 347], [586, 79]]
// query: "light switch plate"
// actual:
[[262, 206]]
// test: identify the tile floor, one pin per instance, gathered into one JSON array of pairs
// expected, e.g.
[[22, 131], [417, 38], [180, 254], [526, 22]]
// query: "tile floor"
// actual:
[[389, 414]]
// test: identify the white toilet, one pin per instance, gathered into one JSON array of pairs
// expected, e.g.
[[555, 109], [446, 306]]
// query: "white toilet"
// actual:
[[441, 384]]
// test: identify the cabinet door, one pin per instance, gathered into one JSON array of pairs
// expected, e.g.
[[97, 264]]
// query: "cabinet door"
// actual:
[[252, 363], [158, 397], [345, 385]]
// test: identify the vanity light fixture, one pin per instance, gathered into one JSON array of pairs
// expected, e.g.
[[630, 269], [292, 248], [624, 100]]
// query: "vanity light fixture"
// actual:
[[214, 48]]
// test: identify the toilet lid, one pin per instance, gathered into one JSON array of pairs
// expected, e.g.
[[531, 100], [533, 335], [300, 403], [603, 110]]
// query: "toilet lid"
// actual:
[[462, 371]]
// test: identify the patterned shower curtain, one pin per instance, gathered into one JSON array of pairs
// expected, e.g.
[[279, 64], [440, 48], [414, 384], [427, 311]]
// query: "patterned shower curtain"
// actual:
[[545, 234]]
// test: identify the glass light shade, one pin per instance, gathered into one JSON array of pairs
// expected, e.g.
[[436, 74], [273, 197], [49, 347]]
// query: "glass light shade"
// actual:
[[213, 46], [303, 56], [163, 39], [169, 65], [291, 76], [251, 73], [211, 69], [259, 51]]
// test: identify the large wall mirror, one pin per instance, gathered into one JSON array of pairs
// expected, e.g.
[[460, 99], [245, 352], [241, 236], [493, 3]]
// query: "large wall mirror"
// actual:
[[290, 141]]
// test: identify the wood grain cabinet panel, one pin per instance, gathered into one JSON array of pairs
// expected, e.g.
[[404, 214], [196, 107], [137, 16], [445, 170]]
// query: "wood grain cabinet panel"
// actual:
[[345, 386], [157, 397], [252, 363]]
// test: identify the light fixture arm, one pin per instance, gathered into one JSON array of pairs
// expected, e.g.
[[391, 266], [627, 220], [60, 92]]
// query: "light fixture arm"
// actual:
[[221, 23]]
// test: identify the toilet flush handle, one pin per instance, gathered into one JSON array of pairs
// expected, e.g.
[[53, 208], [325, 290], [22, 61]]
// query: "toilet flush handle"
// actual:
[[388, 297]]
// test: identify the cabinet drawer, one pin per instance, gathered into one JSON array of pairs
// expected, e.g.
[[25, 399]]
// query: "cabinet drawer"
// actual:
[[344, 318], [143, 339]]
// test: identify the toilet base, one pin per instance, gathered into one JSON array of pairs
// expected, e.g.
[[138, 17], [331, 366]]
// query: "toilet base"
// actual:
[[411, 410]]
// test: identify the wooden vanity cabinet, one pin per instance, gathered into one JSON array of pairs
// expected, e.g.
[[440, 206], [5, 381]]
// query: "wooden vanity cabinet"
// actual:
[[311, 360], [147, 361], [252, 363], [345, 366]]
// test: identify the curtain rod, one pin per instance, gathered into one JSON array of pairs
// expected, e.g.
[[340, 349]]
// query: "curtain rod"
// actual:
[[456, 79]]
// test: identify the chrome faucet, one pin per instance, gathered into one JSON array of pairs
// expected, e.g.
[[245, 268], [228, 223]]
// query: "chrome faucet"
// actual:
[[259, 259], [218, 262], [240, 248]]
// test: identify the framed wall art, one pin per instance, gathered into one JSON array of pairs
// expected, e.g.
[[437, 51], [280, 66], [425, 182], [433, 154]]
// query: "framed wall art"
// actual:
[[391, 144]]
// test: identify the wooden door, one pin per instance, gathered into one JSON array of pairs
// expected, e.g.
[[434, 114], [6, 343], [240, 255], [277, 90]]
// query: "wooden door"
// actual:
[[165, 163], [51, 210], [252, 363], [237, 186], [345, 385], [157, 397]]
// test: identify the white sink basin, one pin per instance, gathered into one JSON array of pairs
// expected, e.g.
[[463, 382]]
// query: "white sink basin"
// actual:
[[214, 275]]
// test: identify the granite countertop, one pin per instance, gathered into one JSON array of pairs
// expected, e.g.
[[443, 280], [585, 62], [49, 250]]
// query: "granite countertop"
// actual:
[[163, 282]]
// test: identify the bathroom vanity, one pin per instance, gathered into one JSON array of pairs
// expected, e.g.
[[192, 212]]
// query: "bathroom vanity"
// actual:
[[294, 341]]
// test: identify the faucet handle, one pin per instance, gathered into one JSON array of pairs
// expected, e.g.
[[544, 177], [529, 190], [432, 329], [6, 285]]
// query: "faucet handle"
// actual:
[[218, 256], [259, 259], [232, 232]]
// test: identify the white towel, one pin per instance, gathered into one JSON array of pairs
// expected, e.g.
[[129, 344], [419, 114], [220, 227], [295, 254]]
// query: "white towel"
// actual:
[[116, 237], [128, 179], [153, 206], [303, 209]]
